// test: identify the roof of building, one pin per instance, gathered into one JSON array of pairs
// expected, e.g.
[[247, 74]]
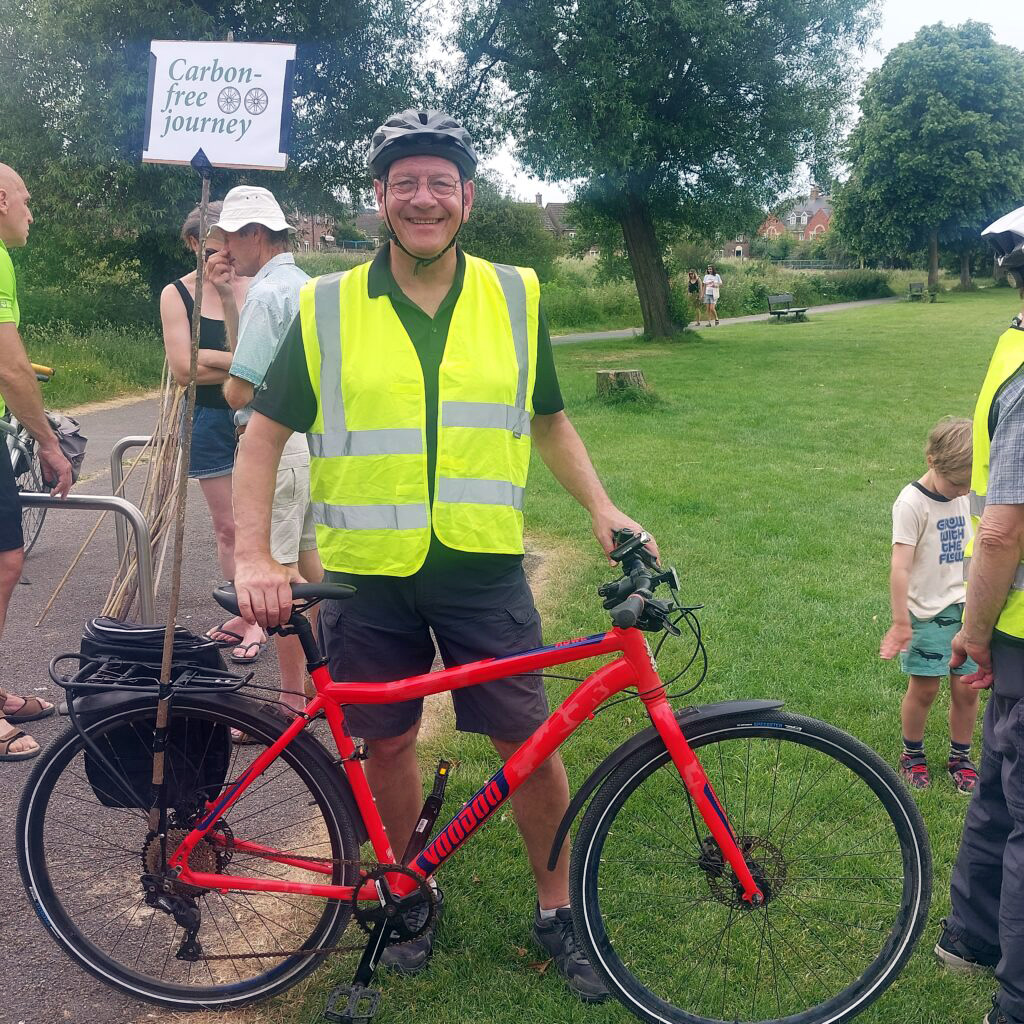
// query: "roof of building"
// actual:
[[555, 212], [369, 222]]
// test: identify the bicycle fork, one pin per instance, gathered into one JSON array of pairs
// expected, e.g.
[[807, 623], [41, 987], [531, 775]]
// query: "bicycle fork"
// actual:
[[701, 792]]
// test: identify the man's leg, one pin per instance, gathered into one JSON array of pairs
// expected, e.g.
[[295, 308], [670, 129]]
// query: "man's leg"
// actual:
[[1009, 735], [539, 806], [972, 929], [393, 771], [11, 563]]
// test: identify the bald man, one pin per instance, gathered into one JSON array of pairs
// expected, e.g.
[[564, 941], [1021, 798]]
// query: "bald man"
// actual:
[[19, 389]]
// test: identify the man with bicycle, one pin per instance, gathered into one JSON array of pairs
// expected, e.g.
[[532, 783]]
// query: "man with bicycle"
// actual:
[[420, 380], [20, 390]]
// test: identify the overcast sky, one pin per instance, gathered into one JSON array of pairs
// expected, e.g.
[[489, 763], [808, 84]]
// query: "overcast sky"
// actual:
[[900, 21]]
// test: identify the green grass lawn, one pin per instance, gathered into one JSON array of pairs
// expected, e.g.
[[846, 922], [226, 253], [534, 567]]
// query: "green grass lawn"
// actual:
[[766, 471]]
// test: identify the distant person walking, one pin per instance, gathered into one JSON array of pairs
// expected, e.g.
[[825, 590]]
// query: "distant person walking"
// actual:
[[212, 458], [712, 290], [694, 292], [20, 389]]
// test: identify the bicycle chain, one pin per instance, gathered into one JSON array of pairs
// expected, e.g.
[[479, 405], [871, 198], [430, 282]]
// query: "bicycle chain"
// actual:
[[365, 869]]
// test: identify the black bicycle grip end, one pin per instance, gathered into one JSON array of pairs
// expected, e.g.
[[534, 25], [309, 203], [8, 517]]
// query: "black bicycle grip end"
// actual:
[[626, 615]]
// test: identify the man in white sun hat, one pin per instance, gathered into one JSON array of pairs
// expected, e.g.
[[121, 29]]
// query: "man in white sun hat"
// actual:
[[257, 245]]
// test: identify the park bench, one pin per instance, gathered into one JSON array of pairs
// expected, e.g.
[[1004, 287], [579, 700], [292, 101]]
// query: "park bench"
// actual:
[[916, 291], [782, 305]]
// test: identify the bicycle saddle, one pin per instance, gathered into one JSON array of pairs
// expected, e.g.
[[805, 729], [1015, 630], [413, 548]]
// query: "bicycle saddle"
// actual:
[[304, 595]]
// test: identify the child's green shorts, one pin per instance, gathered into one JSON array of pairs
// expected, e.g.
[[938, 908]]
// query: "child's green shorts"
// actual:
[[931, 645]]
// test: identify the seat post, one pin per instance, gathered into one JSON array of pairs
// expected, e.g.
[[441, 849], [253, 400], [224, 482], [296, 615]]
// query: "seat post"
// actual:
[[304, 631]]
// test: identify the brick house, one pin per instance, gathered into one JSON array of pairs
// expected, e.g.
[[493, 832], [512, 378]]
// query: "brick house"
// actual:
[[806, 219], [313, 231]]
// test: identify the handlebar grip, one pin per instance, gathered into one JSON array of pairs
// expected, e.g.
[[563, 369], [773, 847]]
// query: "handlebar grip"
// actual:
[[626, 615]]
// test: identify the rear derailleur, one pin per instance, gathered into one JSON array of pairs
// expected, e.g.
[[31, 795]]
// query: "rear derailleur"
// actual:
[[160, 895]]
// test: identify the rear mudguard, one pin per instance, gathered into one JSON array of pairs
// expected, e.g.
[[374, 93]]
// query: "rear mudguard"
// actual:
[[687, 718]]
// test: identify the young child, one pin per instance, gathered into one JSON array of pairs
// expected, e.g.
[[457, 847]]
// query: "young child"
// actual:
[[931, 525]]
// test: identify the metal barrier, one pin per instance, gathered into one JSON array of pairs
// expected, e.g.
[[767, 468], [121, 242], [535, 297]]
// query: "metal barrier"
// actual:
[[140, 528], [117, 480]]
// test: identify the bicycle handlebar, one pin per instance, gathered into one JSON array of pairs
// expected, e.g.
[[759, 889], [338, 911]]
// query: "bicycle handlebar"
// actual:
[[628, 614]]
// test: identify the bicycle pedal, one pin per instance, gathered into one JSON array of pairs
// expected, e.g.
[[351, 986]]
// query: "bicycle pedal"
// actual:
[[352, 1004]]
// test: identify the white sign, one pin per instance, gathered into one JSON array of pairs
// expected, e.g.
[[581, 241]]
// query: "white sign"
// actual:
[[231, 100]]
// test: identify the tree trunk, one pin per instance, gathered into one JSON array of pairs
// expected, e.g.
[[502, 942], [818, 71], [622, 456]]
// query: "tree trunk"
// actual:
[[965, 271], [933, 259], [648, 268]]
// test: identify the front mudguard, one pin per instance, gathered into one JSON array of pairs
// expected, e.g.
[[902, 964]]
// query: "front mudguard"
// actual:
[[687, 718]]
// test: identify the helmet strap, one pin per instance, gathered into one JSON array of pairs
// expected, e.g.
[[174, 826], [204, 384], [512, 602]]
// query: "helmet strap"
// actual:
[[429, 260]]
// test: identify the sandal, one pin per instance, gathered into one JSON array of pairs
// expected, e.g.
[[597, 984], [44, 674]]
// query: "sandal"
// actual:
[[243, 739], [247, 659], [234, 640], [32, 709], [6, 754]]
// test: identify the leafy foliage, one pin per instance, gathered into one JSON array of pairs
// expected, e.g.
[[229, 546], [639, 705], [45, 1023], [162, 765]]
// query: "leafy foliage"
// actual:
[[504, 230], [73, 109], [673, 115], [937, 149]]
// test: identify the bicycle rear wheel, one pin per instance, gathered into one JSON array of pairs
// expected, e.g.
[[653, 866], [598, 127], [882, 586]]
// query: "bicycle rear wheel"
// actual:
[[28, 476], [831, 835], [82, 861]]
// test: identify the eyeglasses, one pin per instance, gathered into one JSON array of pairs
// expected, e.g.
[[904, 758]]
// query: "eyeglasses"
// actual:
[[406, 188]]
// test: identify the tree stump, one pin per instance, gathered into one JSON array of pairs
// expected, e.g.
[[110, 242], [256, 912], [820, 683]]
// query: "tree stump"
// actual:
[[613, 381]]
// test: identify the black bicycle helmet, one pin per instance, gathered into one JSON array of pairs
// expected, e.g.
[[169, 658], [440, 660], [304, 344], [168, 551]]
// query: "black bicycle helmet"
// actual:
[[1006, 236], [421, 133]]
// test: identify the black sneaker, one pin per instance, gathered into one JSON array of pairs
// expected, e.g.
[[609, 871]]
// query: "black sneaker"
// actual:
[[957, 955], [557, 938], [995, 1015], [411, 957]]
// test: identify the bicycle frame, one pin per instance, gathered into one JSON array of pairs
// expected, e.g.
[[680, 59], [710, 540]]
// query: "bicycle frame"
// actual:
[[634, 667]]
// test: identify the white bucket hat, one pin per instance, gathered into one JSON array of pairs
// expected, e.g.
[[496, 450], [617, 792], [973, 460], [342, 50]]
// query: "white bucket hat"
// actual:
[[250, 204]]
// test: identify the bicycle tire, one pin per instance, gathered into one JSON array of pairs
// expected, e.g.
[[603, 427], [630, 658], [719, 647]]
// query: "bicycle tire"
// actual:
[[685, 950], [69, 894], [30, 479]]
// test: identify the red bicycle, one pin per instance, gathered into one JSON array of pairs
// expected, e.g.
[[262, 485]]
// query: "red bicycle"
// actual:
[[785, 875]]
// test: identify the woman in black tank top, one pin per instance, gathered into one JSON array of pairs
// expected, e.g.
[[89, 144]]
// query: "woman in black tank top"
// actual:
[[213, 432]]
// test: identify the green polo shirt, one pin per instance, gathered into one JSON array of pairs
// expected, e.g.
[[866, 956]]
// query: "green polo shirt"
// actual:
[[10, 313], [287, 395]]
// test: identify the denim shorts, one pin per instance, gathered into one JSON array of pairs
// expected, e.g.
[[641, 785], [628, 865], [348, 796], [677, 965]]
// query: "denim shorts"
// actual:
[[213, 443], [931, 645]]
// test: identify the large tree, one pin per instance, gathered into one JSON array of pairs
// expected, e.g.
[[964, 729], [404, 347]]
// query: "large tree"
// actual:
[[72, 107], [674, 114], [936, 154]]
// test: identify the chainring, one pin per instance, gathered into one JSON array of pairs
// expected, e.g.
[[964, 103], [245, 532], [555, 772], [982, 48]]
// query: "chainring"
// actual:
[[410, 916]]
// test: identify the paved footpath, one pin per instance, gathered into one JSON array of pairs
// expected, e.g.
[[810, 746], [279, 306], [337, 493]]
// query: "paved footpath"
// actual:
[[40, 984], [632, 332]]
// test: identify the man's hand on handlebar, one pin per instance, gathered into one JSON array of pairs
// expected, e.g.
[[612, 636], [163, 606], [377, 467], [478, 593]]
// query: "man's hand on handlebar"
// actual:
[[607, 520], [264, 591]]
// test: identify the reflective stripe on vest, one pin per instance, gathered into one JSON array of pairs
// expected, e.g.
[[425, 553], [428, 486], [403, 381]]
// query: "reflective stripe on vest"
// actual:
[[368, 446], [1007, 360]]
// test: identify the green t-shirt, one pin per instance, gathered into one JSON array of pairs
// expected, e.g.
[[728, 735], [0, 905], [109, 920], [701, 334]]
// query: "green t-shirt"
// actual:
[[287, 395], [10, 313]]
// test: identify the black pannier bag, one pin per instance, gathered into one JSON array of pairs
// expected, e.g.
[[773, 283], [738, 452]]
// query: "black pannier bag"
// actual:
[[198, 753]]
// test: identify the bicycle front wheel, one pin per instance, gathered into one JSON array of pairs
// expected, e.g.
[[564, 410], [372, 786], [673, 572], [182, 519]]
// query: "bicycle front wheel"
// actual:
[[84, 856], [832, 837], [28, 476]]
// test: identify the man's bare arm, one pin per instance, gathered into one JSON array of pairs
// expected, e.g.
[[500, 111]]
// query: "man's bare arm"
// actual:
[[566, 456], [237, 392], [997, 554], [262, 585], [20, 390]]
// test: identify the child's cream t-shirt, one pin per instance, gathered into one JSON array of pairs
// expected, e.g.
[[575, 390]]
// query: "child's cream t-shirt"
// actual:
[[939, 529]]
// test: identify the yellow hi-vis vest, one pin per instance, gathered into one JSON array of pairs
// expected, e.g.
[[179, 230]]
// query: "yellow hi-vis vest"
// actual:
[[1007, 360], [367, 445]]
